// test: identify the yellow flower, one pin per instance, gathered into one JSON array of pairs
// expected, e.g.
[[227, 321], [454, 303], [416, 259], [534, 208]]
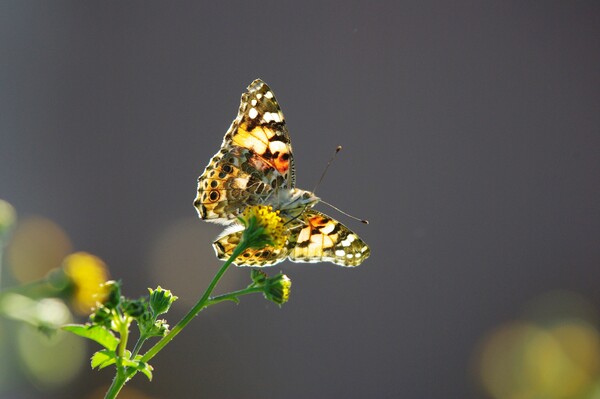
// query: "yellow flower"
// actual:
[[277, 289], [263, 226], [88, 274]]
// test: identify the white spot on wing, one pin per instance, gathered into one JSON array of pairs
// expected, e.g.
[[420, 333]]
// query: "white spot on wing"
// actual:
[[277, 146], [348, 241], [252, 113], [328, 228], [272, 116], [240, 182], [269, 94], [340, 252], [304, 235]]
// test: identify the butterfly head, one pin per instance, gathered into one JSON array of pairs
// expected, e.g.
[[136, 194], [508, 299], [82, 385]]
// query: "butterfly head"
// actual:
[[293, 201]]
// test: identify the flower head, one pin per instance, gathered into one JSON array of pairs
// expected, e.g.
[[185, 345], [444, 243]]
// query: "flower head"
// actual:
[[263, 226], [87, 274], [161, 300], [277, 289]]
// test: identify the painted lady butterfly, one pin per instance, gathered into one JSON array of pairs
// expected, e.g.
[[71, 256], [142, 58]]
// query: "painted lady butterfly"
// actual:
[[255, 166]]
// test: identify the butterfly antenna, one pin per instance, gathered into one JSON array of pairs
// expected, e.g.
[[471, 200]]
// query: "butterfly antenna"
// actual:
[[344, 213], [338, 149]]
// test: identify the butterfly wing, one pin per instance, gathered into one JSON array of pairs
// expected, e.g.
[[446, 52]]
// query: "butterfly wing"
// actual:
[[260, 126], [254, 160], [314, 237], [320, 238], [267, 256]]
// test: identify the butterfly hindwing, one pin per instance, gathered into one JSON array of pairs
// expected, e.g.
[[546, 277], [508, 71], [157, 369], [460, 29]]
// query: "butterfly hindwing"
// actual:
[[314, 237], [323, 239], [267, 256]]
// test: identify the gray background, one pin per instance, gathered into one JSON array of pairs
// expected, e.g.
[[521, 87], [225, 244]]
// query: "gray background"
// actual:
[[471, 142]]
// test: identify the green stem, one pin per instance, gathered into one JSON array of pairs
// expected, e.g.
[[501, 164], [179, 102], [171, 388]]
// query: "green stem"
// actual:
[[204, 302], [122, 373], [201, 304], [232, 296], [117, 384], [138, 346]]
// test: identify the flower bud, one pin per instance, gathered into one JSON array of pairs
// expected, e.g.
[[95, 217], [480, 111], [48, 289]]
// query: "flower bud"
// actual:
[[101, 316], [134, 308], [161, 300], [113, 294], [258, 276], [277, 289]]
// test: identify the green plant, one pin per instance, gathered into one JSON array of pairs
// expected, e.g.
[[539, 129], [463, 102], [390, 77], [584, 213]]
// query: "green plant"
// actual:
[[111, 322]]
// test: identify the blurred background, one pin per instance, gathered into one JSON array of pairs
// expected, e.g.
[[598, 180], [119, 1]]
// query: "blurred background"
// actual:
[[471, 135]]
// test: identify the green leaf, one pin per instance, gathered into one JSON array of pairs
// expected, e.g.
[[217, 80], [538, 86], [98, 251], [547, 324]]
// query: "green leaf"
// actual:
[[96, 333], [137, 364], [146, 369], [131, 363], [103, 358]]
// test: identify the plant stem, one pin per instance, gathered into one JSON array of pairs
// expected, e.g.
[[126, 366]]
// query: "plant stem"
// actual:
[[201, 304], [117, 384], [232, 296], [205, 301], [138, 346], [122, 373]]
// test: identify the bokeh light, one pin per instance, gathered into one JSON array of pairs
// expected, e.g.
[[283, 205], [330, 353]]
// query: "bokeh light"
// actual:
[[552, 353], [50, 361], [48, 312], [37, 246], [8, 216]]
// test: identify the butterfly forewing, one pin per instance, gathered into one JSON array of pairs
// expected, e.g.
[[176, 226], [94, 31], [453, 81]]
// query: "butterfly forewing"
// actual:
[[260, 126]]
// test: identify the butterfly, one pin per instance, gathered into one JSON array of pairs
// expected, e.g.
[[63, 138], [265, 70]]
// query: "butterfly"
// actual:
[[255, 166]]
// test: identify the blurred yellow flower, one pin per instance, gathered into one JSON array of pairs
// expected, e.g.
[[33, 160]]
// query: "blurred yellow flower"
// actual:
[[88, 273]]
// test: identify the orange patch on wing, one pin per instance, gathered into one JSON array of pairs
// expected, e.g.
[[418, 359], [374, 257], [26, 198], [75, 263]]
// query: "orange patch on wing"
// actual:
[[317, 221], [251, 139]]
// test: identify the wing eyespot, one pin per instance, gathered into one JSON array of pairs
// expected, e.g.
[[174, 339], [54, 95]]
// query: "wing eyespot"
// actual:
[[214, 195]]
